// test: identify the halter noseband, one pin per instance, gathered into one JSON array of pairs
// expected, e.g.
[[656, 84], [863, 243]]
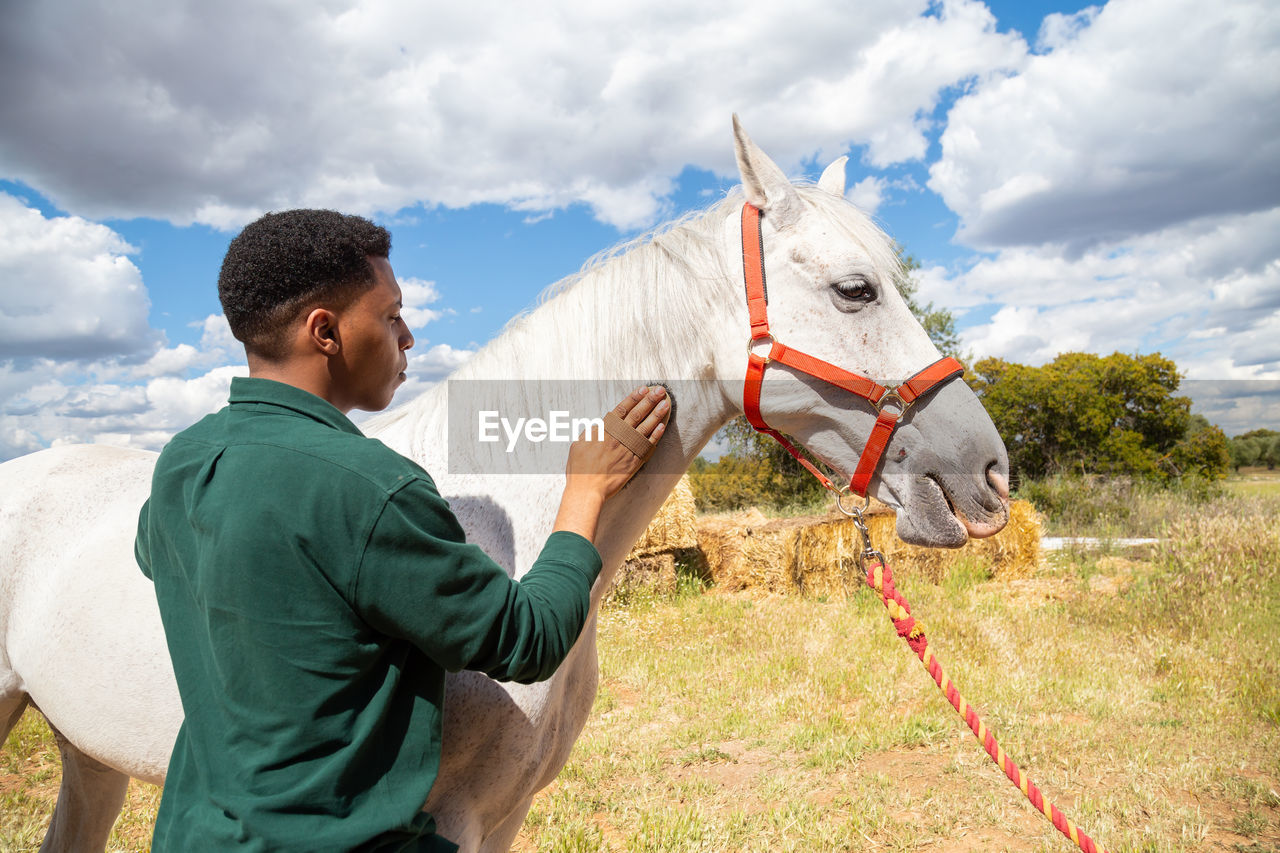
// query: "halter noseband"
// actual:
[[890, 402]]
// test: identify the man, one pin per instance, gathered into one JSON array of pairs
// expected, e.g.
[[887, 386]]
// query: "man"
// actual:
[[313, 584]]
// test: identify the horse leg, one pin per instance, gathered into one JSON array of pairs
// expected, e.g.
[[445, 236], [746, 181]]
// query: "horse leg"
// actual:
[[11, 708], [89, 802], [499, 841]]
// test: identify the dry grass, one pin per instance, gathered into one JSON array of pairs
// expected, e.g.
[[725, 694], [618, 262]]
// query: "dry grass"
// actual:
[[29, 776], [1140, 689], [1255, 482]]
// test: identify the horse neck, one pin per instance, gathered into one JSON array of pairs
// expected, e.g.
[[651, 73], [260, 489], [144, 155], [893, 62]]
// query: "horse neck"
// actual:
[[652, 314]]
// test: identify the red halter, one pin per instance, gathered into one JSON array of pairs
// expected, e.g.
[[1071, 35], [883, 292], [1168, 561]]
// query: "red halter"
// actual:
[[891, 403]]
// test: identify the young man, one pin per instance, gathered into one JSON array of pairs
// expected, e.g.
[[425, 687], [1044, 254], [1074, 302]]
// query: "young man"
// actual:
[[313, 584]]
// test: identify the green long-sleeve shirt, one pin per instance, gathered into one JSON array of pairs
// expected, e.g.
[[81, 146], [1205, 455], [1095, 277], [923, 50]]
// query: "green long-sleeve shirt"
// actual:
[[314, 588]]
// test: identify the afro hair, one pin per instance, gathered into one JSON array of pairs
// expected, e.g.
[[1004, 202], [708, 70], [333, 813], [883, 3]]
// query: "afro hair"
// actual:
[[289, 261]]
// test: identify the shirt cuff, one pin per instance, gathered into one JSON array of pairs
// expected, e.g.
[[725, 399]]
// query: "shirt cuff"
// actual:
[[565, 546]]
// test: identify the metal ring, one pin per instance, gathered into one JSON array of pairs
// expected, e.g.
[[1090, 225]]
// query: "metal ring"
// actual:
[[856, 511], [751, 345]]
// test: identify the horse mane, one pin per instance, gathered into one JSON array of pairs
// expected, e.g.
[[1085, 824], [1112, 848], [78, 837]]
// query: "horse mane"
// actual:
[[609, 303], [662, 263], [614, 294]]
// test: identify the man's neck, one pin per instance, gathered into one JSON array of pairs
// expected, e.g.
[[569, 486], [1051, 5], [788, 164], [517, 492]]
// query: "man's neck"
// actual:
[[310, 377]]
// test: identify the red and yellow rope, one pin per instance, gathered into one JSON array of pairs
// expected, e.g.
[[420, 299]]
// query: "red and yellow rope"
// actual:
[[880, 578]]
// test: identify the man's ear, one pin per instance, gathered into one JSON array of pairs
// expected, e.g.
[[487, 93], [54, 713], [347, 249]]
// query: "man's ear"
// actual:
[[322, 330]]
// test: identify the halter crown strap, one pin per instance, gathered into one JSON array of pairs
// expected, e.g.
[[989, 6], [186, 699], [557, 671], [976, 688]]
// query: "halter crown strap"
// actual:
[[891, 403]]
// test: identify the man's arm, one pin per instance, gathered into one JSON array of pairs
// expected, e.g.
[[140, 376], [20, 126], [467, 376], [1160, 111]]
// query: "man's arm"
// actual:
[[421, 581]]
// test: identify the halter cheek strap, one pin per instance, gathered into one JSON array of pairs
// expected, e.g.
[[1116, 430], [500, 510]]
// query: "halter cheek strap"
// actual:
[[890, 402]]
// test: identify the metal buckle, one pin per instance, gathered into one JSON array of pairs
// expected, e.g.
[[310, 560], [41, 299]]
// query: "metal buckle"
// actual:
[[891, 397], [751, 346]]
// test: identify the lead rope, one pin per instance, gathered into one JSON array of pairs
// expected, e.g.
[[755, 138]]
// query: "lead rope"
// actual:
[[880, 578]]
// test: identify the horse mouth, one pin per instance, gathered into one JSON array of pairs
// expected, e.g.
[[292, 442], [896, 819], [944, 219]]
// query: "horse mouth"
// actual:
[[949, 525], [987, 524], [946, 496]]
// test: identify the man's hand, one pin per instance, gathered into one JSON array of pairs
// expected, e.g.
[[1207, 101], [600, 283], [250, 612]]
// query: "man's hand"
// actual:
[[599, 468]]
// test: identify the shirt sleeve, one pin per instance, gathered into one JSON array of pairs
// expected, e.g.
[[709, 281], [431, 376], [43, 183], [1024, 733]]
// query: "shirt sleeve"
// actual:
[[419, 579], [141, 549]]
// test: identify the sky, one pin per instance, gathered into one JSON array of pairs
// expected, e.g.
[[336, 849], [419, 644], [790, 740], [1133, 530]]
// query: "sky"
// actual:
[[1070, 177]]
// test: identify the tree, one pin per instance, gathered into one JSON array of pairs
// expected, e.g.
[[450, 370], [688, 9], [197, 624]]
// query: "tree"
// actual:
[[1089, 414], [1256, 447], [1203, 452], [1243, 453]]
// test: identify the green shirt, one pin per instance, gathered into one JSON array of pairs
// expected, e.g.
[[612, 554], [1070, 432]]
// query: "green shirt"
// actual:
[[314, 588]]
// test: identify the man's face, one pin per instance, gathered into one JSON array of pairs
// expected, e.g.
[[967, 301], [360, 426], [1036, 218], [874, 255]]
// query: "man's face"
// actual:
[[371, 361]]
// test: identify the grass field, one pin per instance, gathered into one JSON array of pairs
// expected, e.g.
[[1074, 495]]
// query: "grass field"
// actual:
[[1139, 689], [1255, 482]]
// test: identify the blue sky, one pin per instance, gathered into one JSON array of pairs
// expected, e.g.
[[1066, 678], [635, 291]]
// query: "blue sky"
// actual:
[[1067, 178]]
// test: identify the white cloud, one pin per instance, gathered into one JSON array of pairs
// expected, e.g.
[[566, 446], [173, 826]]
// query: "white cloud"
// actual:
[[79, 361], [137, 395], [1143, 114], [70, 290], [177, 403], [417, 294], [427, 366], [217, 347], [1206, 294], [56, 409], [193, 115], [1236, 406], [868, 193], [1058, 30]]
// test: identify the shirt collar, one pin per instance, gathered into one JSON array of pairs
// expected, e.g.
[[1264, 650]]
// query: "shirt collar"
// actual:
[[250, 390]]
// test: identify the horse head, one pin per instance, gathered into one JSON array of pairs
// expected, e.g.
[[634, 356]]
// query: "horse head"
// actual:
[[832, 279]]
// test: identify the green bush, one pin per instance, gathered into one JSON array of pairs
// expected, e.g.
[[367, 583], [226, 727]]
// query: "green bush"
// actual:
[[757, 471]]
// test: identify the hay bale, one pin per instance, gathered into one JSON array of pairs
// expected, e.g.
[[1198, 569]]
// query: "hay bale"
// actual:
[[742, 551], [817, 556], [655, 572], [673, 528], [670, 537], [1014, 552]]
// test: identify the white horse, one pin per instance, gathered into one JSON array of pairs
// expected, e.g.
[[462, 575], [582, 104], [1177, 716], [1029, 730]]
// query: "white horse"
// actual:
[[81, 635]]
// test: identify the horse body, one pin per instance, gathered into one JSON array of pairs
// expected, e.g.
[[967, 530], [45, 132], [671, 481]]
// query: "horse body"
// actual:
[[82, 638]]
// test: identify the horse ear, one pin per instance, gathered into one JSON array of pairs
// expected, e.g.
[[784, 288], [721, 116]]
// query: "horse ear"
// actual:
[[832, 179], [764, 183]]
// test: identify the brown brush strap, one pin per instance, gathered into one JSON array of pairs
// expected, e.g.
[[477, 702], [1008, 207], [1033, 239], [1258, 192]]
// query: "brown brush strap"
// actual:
[[628, 436]]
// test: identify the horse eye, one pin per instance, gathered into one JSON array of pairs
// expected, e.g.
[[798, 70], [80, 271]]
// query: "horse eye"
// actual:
[[855, 289]]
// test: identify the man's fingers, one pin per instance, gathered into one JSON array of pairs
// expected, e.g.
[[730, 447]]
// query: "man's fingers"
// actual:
[[640, 405], [625, 407], [653, 420]]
